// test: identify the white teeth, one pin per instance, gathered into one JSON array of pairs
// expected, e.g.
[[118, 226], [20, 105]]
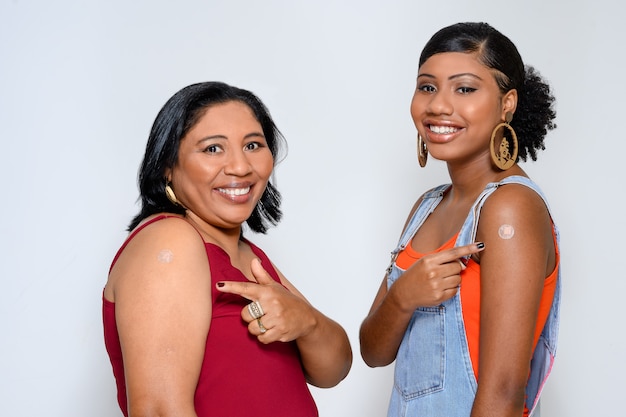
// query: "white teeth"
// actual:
[[443, 129], [234, 191]]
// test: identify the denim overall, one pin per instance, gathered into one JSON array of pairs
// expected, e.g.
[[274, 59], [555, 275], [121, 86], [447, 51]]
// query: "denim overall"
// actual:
[[433, 371]]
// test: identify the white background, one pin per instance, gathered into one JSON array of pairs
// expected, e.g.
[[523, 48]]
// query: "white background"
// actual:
[[81, 82]]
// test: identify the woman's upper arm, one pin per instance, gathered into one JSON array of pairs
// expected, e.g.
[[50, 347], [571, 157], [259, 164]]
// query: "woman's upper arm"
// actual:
[[519, 254], [162, 292]]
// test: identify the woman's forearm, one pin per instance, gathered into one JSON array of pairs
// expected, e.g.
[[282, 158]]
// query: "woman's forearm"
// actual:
[[382, 330], [325, 352]]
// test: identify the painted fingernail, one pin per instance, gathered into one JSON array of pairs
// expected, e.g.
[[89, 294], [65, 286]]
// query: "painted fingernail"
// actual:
[[480, 245], [220, 284]]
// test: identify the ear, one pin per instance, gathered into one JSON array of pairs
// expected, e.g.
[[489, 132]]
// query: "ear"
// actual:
[[509, 103]]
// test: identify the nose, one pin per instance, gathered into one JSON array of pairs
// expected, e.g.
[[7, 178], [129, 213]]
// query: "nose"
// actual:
[[237, 164], [440, 103]]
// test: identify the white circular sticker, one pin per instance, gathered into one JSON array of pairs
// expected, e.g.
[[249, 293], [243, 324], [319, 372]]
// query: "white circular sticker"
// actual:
[[506, 231]]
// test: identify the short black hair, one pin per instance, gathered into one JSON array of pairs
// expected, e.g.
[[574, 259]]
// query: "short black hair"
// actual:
[[175, 119]]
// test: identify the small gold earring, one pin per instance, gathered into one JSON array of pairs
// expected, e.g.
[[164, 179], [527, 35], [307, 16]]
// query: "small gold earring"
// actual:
[[506, 156], [422, 151], [169, 193]]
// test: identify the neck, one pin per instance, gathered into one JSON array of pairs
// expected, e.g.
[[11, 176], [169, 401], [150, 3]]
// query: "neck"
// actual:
[[469, 180], [226, 238]]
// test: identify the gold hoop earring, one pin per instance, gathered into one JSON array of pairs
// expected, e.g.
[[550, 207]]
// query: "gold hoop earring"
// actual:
[[169, 193], [506, 156], [422, 151]]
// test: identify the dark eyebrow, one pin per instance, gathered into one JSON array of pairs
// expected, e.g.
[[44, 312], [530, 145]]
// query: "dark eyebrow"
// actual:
[[255, 135], [464, 74], [452, 77], [212, 137]]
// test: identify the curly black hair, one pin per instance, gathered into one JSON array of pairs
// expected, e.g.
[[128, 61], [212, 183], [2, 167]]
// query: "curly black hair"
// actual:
[[535, 112]]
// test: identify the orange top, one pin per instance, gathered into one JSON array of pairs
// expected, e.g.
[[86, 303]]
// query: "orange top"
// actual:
[[470, 297]]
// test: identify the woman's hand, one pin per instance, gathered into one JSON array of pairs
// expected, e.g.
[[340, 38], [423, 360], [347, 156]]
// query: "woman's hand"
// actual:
[[286, 316], [324, 346], [433, 279], [430, 281]]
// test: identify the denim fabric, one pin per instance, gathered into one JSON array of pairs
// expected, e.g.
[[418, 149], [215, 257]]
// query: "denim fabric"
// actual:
[[433, 371]]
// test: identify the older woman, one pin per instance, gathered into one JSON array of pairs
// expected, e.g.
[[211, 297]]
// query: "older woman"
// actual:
[[197, 320]]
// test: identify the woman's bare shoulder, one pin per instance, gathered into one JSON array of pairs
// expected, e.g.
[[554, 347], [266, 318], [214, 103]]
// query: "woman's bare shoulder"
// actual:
[[169, 249]]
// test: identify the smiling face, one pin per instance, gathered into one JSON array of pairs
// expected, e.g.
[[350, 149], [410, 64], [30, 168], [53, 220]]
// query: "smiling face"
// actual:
[[223, 166], [456, 105]]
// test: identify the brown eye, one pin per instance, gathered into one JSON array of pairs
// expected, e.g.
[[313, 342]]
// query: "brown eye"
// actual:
[[427, 88], [212, 149], [466, 90]]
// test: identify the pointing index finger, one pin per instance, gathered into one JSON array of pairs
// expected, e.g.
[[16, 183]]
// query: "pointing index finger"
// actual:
[[247, 290], [462, 252]]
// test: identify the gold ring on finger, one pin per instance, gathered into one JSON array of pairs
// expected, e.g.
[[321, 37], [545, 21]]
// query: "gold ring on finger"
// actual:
[[261, 327]]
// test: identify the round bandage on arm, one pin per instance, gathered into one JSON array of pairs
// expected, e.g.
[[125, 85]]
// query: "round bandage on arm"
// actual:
[[165, 256], [506, 231]]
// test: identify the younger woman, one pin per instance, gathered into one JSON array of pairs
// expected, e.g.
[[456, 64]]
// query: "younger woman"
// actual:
[[469, 306]]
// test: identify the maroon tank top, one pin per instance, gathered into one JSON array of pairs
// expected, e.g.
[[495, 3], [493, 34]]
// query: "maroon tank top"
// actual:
[[240, 376]]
